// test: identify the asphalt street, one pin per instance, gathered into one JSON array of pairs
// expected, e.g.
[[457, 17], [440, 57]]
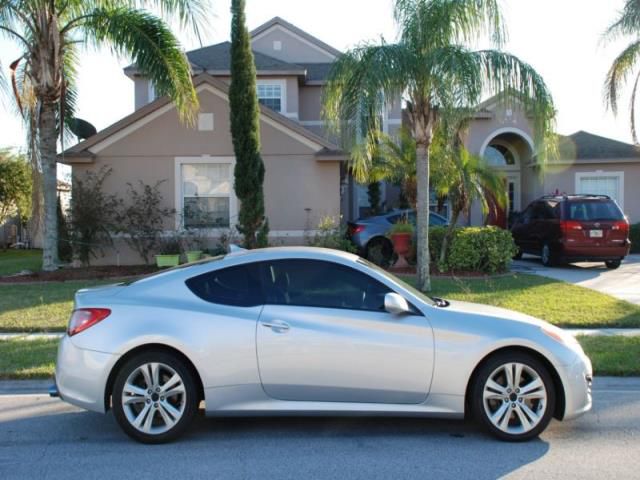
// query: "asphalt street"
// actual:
[[43, 438]]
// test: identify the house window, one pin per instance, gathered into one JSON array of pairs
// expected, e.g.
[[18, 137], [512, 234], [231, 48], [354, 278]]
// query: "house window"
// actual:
[[206, 194], [602, 183], [270, 95]]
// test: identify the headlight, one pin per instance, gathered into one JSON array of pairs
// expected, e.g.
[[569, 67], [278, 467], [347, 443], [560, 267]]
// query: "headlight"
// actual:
[[559, 335]]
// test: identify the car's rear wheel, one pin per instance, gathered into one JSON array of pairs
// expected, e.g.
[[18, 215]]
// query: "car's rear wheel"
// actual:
[[513, 396], [613, 264], [546, 256], [380, 251], [518, 254], [154, 397]]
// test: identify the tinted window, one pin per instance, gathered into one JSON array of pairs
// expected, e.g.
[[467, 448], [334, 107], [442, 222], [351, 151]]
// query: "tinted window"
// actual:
[[591, 211], [316, 283], [238, 286]]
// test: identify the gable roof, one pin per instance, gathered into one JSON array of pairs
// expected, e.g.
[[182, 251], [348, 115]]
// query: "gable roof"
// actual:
[[278, 21], [217, 58], [588, 146], [82, 152]]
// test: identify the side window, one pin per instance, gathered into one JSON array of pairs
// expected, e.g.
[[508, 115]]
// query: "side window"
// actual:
[[316, 283], [237, 286], [526, 215]]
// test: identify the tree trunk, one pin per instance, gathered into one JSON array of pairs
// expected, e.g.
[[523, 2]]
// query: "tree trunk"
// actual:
[[448, 234], [422, 170], [48, 152]]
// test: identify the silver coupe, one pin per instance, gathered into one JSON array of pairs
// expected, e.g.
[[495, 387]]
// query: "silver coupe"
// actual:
[[297, 331]]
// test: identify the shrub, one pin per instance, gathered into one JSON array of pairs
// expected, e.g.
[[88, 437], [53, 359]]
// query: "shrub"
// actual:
[[92, 217], [64, 239], [436, 236], [478, 249], [142, 219], [169, 245], [332, 235], [634, 235], [401, 227]]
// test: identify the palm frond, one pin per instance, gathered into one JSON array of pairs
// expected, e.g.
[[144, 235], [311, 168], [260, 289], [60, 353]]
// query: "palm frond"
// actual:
[[621, 68], [627, 23], [151, 44]]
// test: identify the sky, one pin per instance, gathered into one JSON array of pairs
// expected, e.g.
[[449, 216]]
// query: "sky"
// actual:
[[561, 39]]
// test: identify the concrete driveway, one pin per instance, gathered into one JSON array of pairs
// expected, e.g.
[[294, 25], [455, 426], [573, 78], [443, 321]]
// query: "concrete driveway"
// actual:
[[622, 283], [42, 438]]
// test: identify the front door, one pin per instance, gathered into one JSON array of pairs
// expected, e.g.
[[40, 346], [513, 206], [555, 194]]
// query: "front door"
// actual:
[[500, 216], [324, 336]]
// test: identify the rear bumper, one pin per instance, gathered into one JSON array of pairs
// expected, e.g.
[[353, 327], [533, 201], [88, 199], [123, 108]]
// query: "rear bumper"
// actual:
[[591, 253], [81, 375]]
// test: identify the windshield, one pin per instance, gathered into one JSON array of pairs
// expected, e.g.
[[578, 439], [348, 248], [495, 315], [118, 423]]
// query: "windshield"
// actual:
[[148, 276], [591, 211], [402, 283]]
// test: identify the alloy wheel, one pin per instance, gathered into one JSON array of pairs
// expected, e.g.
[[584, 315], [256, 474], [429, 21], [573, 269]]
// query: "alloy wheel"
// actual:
[[515, 398], [546, 255], [154, 398]]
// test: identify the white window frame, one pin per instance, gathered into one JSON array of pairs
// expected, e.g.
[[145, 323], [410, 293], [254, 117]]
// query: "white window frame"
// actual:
[[601, 173], [179, 194], [151, 92], [282, 83]]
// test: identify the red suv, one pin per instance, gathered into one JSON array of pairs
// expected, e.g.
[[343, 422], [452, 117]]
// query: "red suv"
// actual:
[[573, 228]]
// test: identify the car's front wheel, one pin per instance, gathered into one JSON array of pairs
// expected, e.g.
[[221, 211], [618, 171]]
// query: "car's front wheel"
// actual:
[[613, 264], [154, 397], [513, 396]]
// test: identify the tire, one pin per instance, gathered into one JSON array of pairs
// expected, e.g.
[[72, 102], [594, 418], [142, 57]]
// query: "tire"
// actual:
[[546, 256], [613, 264], [507, 413], [166, 417], [518, 255], [379, 251]]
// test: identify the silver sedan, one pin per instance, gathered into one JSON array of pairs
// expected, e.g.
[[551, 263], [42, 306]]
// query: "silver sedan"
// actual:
[[295, 331]]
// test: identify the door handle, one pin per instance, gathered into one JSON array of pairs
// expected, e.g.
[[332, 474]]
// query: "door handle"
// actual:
[[277, 326]]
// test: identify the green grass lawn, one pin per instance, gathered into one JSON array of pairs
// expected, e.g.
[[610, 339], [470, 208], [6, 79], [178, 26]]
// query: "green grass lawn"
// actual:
[[38, 307], [557, 302], [24, 359], [14, 261]]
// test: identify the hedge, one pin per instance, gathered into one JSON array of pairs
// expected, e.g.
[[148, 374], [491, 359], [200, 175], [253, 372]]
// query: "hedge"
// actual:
[[474, 249]]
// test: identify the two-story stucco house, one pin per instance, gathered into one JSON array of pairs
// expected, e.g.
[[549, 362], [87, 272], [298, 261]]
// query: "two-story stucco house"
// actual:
[[305, 173]]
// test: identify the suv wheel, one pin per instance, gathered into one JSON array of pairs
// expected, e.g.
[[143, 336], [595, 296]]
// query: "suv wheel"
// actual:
[[154, 397], [547, 256], [613, 264], [518, 254], [513, 396]]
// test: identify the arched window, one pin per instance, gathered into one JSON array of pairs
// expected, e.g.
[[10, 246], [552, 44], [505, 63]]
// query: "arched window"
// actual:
[[499, 156]]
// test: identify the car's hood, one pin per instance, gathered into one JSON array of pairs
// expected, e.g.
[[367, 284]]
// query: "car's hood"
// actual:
[[495, 312]]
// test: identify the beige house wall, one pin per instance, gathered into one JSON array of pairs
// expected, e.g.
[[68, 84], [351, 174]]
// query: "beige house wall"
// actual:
[[294, 179], [293, 48]]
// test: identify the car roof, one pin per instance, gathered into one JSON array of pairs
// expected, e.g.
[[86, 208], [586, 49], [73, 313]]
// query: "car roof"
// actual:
[[578, 196]]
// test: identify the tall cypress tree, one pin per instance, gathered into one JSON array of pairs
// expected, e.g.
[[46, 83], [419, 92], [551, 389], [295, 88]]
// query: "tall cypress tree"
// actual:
[[245, 132]]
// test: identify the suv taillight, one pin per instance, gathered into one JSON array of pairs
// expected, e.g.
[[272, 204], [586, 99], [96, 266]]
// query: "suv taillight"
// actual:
[[622, 226], [83, 318], [569, 226]]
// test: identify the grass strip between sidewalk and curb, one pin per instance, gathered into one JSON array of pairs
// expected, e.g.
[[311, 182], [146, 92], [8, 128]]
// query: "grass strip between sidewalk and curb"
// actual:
[[31, 359]]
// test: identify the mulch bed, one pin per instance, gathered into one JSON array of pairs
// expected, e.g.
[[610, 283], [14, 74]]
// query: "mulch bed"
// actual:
[[85, 273], [411, 270]]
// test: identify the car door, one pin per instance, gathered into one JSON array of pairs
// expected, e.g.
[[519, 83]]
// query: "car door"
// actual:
[[323, 335], [520, 230]]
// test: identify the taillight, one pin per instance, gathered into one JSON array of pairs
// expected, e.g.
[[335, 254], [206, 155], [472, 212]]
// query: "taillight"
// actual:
[[355, 228], [83, 318], [622, 226], [570, 225]]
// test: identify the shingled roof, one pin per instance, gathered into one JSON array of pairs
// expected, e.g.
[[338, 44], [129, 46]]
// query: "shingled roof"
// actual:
[[587, 146], [218, 58]]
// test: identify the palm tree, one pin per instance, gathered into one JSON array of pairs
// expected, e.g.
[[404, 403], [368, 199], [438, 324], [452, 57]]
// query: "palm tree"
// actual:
[[627, 24], [469, 180], [394, 161], [436, 71], [50, 34]]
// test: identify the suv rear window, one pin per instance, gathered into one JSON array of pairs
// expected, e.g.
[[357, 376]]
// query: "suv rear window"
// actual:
[[594, 210]]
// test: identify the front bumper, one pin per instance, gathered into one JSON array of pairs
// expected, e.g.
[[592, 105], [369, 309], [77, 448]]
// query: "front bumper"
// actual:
[[81, 375], [577, 380]]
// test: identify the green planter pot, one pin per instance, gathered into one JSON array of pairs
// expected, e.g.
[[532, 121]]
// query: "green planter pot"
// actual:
[[194, 256], [168, 260]]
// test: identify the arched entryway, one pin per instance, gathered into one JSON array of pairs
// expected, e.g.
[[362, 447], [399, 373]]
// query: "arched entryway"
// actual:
[[508, 150]]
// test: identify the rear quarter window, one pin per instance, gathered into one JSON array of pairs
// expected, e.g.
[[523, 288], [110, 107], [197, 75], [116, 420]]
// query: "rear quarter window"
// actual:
[[237, 286]]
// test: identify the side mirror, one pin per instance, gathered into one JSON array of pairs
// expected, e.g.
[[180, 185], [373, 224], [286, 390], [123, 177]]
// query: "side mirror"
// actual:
[[395, 304]]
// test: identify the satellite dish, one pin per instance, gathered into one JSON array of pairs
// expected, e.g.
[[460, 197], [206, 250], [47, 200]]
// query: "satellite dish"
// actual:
[[81, 128]]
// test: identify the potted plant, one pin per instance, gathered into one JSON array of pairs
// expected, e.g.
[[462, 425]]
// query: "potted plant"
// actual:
[[169, 252], [192, 244], [401, 234]]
